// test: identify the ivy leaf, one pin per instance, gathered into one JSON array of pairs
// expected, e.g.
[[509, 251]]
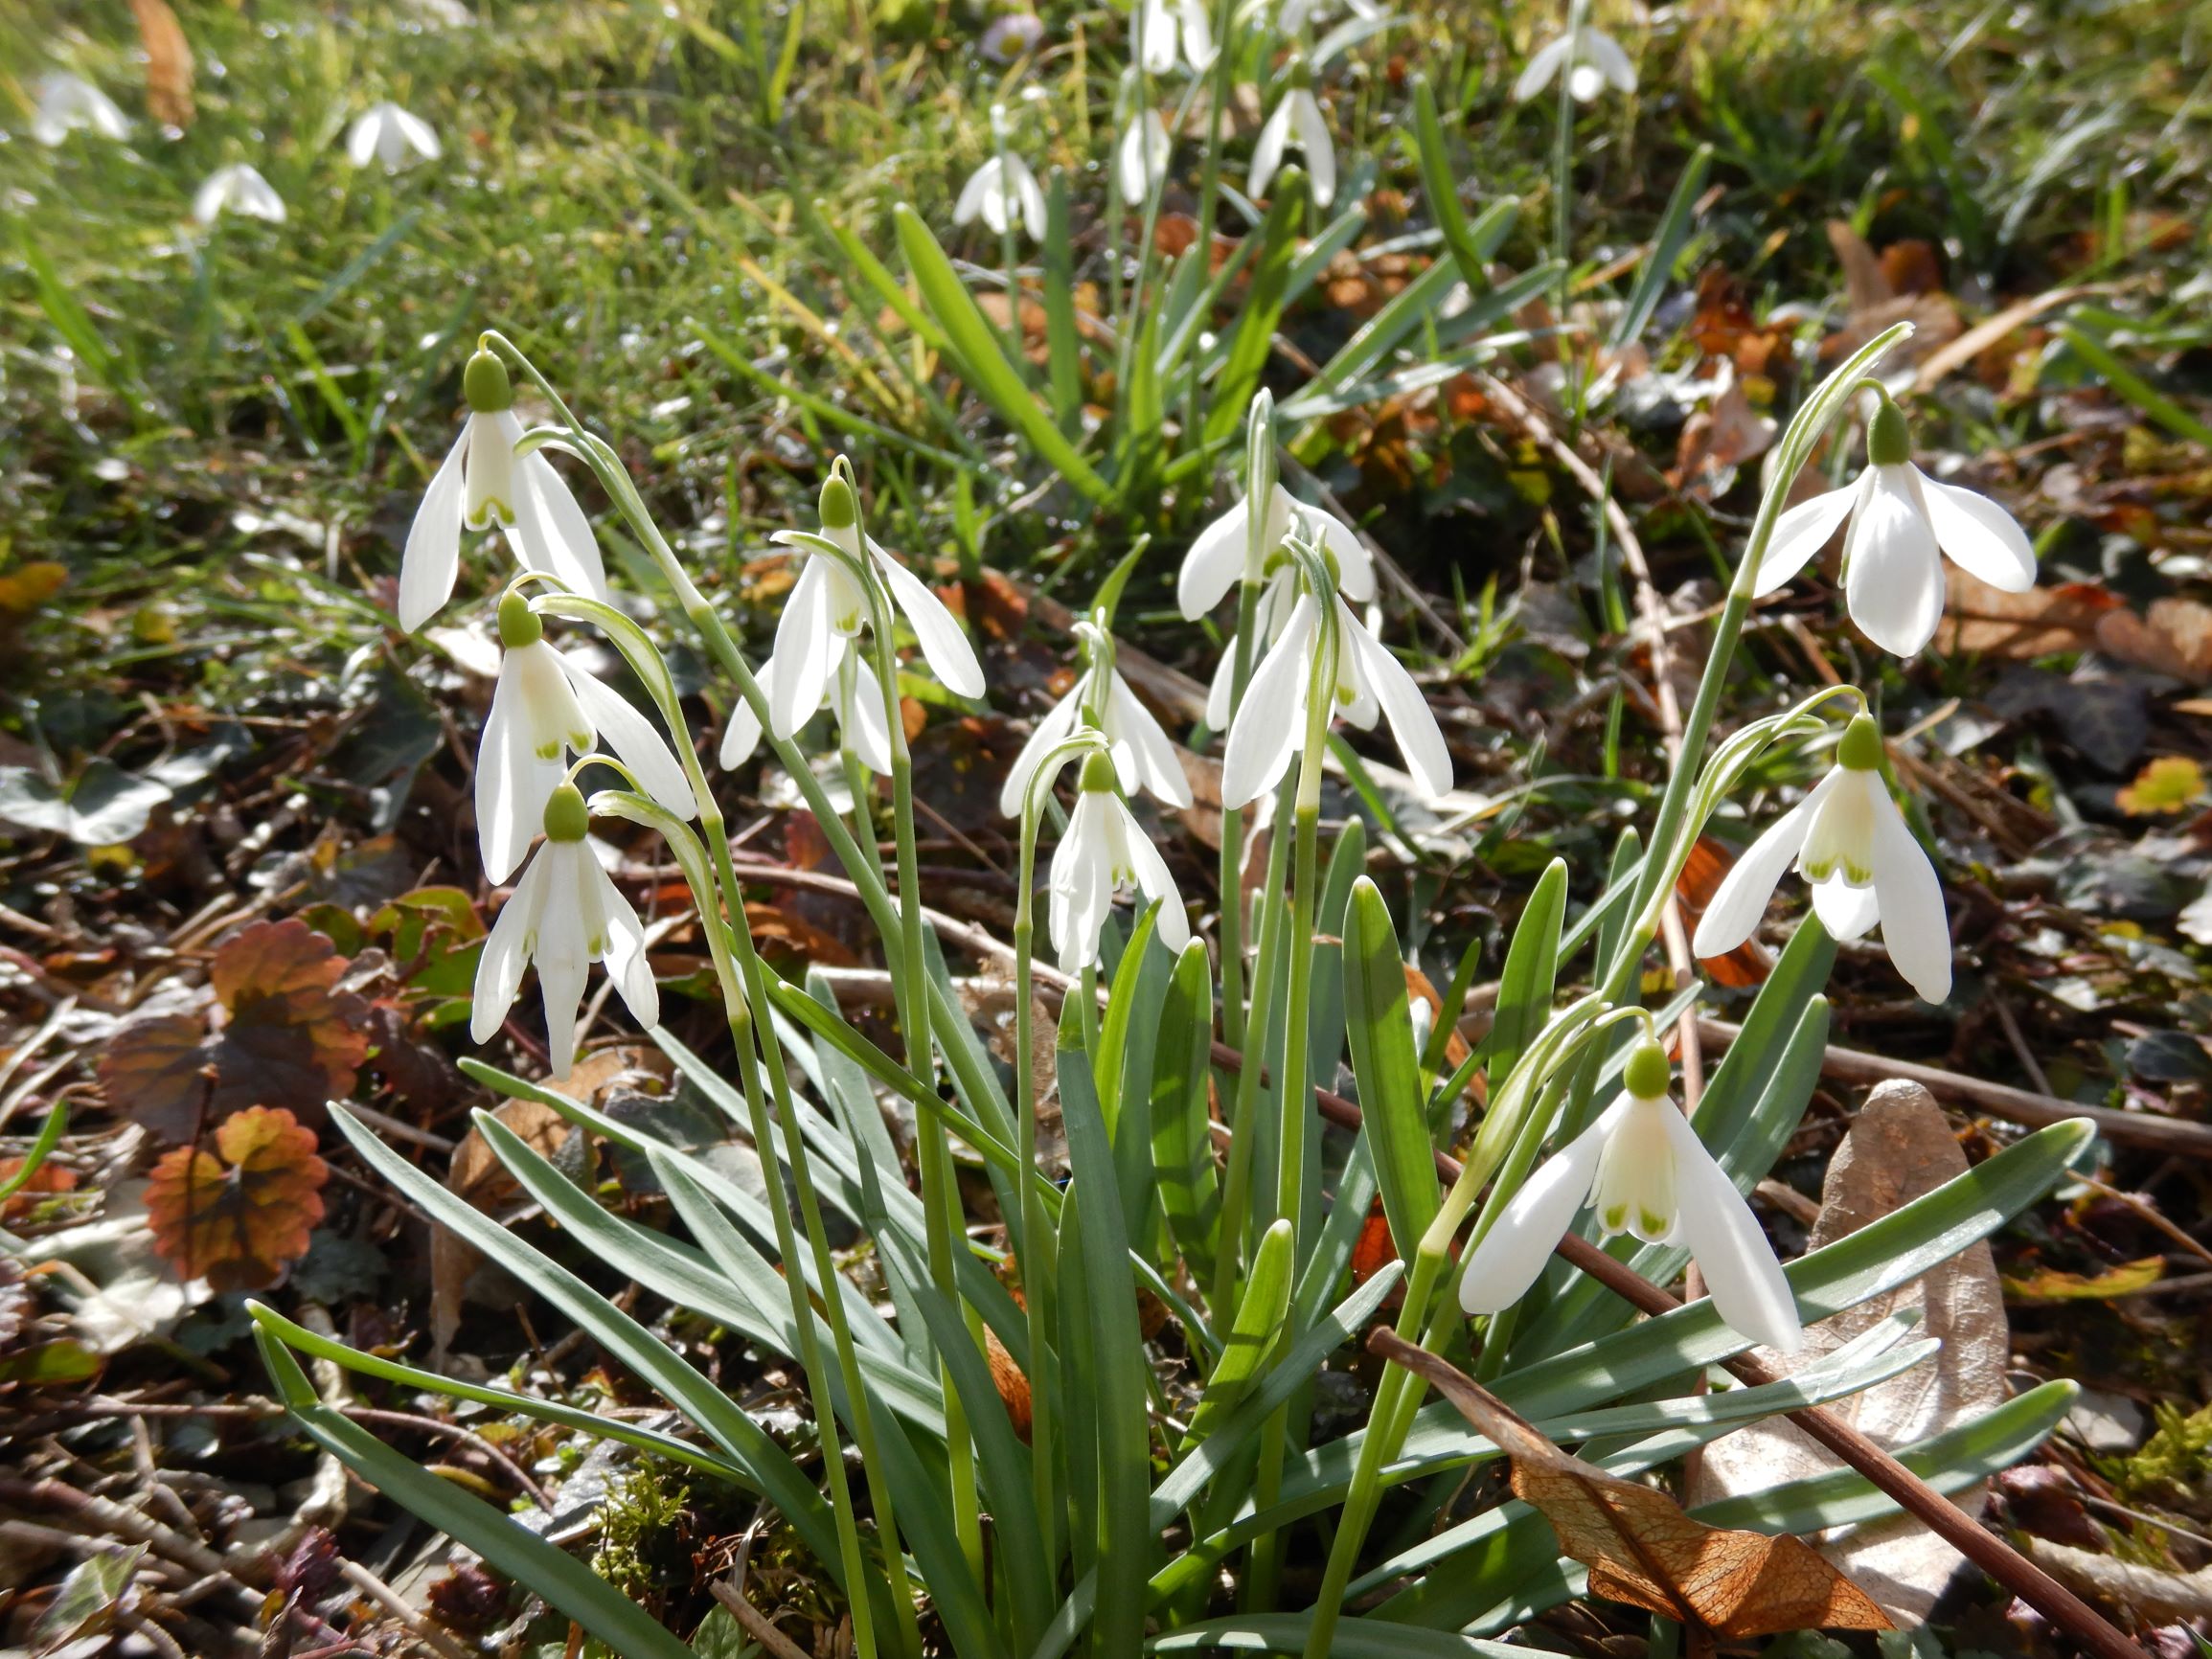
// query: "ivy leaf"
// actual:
[[285, 1035], [241, 1218], [104, 806]]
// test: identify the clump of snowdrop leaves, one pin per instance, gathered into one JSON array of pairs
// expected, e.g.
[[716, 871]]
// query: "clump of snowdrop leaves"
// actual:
[[238, 189], [66, 104], [484, 483], [392, 137], [1592, 58], [543, 707], [1643, 1168], [1105, 851], [1144, 758], [828, 607], [1850, 841], [1162, 25], [1298, 121], [565, 914], [1901, 521]]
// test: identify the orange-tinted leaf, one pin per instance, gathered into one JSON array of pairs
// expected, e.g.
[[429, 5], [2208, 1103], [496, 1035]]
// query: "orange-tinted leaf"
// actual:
[[27, 586], [286, 1036], [1374, 1249], [2054, 1284], [1748, 963], [1643, 1548], [239, 1219], [167, 62], [46, 1180]]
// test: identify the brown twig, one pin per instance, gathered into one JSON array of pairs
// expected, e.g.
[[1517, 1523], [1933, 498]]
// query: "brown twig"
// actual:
[[756, 1622]]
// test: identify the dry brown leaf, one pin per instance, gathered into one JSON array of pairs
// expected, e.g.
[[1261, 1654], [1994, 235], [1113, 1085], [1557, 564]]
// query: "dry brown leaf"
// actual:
[[1887, 289], [239, 1219], [1640, 1546], [167, 62], [2174, 638], [2022, 625], [1900, 1146]]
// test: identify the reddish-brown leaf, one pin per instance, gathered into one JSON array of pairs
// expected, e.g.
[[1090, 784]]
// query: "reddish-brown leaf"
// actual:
[[240, 1216]]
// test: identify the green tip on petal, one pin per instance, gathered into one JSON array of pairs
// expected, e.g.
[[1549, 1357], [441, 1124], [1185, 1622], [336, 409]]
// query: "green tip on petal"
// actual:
[[1888, 437], [486, 385], [1649, 1073], [1861, 750], [566, 817], [518, 624], [1098, 772], [839, 510]]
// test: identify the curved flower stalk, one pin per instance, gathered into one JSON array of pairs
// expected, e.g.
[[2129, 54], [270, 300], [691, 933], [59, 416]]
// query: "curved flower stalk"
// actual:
[[1901, 520], [1144, 758], [1160, 25], [828, 607], [1104, 852], [1298, 121], [565, 914], [238, 189], [483, 483], [1592, 59], [1003, 191], [389, 134], [1646, 1171], [1850, 841], [1323, 643], [544, 706], [67, 103]]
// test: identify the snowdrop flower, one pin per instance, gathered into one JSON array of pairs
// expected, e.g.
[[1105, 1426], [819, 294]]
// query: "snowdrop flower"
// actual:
[[1156, 24], [1297, 14], [482, 483], [1644, 1169], [1900, 520], [999, 190], [542, 707], [861, 716], [67, 102], [1141, 157], [1598, 62], [391, 135], [238, 189], [828, 608], [1104, 852], [565, 914], [1368, 682], [1297, 120], [1143, 757], [1850, 841]]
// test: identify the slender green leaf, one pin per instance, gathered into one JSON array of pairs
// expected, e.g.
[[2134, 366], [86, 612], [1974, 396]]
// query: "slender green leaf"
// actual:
[[1189, 1185], [1395, 1110], [1530, 978]]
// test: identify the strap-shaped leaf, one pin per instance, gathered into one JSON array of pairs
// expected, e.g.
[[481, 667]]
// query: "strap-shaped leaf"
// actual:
[[1530, 978], [1395, 1111], [1187, 1181]]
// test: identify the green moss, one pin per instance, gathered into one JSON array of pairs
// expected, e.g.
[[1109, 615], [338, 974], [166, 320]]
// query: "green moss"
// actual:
[[2175, 1462], [635, 1527]]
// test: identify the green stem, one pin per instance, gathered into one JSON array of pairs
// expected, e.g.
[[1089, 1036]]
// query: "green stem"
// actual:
[[1232, 877]]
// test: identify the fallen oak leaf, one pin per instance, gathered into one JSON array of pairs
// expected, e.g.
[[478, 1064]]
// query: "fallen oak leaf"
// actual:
[[241, 1218], [1641, 1548]]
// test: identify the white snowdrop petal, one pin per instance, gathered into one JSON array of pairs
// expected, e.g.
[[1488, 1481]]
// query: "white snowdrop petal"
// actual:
[[743, 736], [1314, 141], [1845, 911], [805, 649], [1893, 578], [1539, 69], [1058, 721], [1197, 36], [866, 720], [1160, 771], [1354, 564], [1742, 1275], [636, 741], [1604, 53], [491, 472], [623, 949], [1268, 152], [943, 647], [980, 184], [1979, 537], [499, 967], [1741, 901], [1412, 721], [432, 558], [1915, 929], [1223, 689], [1216, 559], [1799, 533], [1267, 729], [1157, 882], [1032, 198], [1522, 1240]]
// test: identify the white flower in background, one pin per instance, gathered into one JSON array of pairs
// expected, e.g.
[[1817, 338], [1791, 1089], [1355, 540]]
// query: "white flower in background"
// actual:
[[1143, 756], [1141, 157], [1001, 190], [1297, 120], [1271, 722], [1297, 14], [238, 189], [1850, 841], [1104, 852], [66, 104], [861, 716], [484, 483], [542, 707], [565, 914], [1902, 520], [1013, 34], [1222, 553], [389, 134], [1598, 62], [1643, 1166], [1156, 33], [827, 609]]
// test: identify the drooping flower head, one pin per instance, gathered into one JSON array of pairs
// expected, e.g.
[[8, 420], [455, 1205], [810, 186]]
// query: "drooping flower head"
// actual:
[[390, 135], [1105, 851], [1901, 521], [1144, 758], [238, 189], [1156, 23], [67, 103], [1592, 59], [565, 914], [544, 707], [484, 483], [828, 607], [1645, 1172], [1850, 841], [1002, 192], [1298, 121], [1141, 158]]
